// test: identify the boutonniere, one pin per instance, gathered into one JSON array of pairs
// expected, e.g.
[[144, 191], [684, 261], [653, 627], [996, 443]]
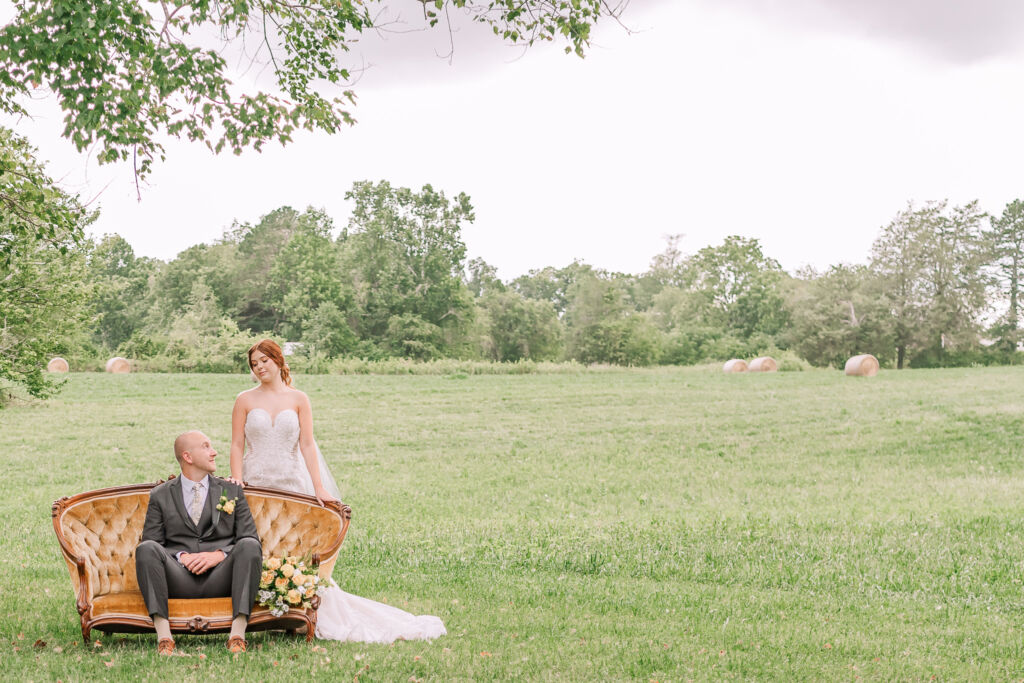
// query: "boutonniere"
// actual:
[[227, 506]]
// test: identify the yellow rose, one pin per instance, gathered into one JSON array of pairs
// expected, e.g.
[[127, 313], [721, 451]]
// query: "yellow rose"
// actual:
[[229, 507], [292, 560], [281, 583], [310, 592], [298, 578], [288, 570], [265, 579], [274, 563], [294, 597]]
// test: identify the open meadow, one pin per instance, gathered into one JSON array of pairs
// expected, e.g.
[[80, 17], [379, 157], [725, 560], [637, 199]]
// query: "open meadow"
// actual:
[[668, 524]]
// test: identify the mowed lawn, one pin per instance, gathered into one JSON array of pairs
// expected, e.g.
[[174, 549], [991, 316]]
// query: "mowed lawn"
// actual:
[[609, 525]]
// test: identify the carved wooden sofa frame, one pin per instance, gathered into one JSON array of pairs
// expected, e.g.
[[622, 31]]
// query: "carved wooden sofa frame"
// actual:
[[99, 530]]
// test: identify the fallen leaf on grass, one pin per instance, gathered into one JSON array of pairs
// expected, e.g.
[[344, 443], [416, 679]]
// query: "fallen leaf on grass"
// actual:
[[317, 648], [58, 649], [39, 644], [416, 658], [485, 653], [202, 657], [21, 636], [827, 646], [109, 664], [97, 644]]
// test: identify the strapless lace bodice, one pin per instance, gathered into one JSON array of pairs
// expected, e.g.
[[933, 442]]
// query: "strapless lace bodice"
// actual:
[[272, 455]]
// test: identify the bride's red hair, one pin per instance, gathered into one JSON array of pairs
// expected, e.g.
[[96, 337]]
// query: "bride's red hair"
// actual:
[[274, 353]]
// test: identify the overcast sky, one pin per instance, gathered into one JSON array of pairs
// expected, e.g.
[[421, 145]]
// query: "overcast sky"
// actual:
[[804, 123]]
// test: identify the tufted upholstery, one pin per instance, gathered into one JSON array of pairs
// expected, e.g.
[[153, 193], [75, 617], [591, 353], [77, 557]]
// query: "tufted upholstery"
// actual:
[[101, 529], [289, 527], [104, 532]]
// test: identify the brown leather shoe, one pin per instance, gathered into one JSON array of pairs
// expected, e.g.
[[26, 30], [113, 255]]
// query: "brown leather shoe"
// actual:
[[236, 644], [165, 647]]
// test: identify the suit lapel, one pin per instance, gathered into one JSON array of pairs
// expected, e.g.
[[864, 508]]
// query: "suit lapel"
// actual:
[[179, 503], [212, 501]]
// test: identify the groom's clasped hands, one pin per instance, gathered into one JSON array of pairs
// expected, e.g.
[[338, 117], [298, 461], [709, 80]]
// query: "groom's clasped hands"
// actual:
[[200, 563]]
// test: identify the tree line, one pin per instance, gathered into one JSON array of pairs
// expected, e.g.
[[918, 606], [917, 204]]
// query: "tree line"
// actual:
[[940, 281], [394, 281]]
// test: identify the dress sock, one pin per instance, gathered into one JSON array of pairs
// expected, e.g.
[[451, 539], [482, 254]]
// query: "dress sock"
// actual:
[[238, 625], [163, 627]]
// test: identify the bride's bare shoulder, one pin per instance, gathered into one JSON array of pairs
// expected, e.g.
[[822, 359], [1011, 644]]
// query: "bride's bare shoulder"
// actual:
[[245, 398], [299, 396]]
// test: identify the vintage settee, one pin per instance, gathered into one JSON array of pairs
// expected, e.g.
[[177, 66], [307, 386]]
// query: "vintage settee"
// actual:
[[99, 530]]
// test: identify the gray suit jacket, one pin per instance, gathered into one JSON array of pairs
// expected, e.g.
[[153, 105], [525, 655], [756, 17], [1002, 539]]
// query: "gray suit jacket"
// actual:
[[168, 523]]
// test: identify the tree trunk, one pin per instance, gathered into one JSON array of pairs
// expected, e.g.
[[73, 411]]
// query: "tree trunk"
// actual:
[[901, 353], [1012, 317]]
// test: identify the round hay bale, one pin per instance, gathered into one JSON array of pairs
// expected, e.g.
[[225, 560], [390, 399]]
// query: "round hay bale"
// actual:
[[118, 365], [864, 365], [735, 365], [763, 364], [57, 364]]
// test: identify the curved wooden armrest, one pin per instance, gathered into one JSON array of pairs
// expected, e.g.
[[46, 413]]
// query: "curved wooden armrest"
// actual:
[[84, 592]]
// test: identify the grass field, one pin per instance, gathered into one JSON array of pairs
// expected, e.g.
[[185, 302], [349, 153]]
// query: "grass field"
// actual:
[[665, 524]]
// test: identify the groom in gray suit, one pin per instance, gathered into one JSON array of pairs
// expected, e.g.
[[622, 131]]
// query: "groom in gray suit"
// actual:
[[193, 546]]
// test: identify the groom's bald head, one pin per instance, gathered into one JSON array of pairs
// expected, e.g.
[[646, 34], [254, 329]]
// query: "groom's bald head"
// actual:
[[195, 455], [186, 442]]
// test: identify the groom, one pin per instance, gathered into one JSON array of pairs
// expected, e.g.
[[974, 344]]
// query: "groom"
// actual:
[[195, 547]]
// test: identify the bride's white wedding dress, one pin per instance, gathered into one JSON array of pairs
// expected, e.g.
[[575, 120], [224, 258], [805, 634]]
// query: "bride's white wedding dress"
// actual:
[[272, 458]]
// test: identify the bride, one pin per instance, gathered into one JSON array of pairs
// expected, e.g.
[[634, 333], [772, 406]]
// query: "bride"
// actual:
[[272, 445]]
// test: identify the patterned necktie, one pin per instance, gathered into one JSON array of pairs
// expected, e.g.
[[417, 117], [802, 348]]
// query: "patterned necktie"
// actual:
[[196, 510]]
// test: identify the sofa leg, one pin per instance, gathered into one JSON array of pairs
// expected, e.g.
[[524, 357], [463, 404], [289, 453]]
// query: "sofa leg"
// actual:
[[85, 633]]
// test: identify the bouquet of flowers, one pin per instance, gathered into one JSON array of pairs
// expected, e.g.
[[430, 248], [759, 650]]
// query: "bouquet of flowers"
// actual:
[[287, 582]]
